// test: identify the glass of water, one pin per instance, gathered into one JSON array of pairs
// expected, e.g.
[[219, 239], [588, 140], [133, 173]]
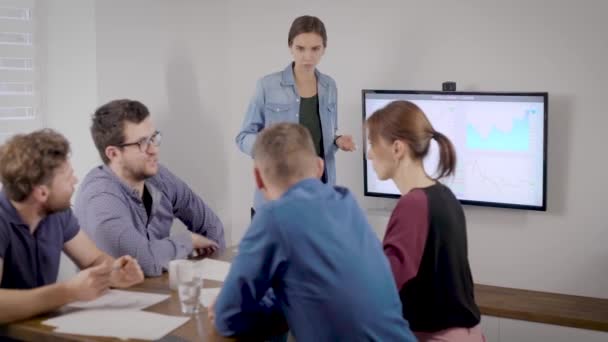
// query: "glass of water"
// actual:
[[189, 284]]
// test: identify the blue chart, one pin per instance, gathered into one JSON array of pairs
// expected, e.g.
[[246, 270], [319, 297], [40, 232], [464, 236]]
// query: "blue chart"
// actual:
[[516, 139]]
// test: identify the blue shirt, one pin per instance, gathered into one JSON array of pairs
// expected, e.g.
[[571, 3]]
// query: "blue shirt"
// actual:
[[315, 249], [115, 217], [276, 100], [32, 260]]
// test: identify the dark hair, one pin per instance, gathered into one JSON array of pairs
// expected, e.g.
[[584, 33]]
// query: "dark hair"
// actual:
[[29, 160], [109, 121], [284, 151], [307, 24], [403, 120]]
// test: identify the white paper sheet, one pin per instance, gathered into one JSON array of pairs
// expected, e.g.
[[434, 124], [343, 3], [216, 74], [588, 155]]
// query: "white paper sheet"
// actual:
[[213, 269], [118, 299], [123, 324], [208, 295]]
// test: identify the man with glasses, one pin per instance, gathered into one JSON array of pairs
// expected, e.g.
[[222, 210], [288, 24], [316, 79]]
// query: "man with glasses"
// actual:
[[128, 204]]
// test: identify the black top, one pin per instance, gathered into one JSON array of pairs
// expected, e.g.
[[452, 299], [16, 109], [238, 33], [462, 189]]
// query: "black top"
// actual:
[[309, 118], [441, 294], [147, 199]]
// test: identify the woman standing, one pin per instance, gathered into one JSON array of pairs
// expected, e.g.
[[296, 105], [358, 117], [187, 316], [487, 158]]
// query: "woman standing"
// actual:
[[300, 94], [426, 239]]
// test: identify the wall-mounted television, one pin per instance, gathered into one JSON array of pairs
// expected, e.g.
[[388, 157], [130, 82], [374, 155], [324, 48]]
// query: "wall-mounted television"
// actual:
[[500, 141]]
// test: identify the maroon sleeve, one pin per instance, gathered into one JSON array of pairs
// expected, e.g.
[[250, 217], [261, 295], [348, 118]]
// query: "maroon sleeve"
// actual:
[[406, 236]]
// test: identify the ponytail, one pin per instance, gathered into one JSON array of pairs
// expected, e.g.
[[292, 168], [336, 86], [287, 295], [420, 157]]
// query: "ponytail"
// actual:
[[447, 155]]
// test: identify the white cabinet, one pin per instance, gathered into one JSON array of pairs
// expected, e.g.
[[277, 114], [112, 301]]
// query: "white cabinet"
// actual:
[[498, 329], [490, 327]]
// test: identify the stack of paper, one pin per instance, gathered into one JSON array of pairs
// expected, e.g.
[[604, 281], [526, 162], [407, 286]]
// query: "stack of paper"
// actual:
[[117, 299], [122, 324], [116, 313], [213, 269]]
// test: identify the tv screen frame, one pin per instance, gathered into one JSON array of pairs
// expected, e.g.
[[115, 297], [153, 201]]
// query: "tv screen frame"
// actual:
[[544, 95]]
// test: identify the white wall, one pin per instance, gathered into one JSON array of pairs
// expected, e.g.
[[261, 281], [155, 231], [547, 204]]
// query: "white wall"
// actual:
[[172, 57], [195, 63], [554, 46], [71, 76], [70, 81]]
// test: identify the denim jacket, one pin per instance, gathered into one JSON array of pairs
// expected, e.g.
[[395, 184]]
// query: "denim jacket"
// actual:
[[276, 100]]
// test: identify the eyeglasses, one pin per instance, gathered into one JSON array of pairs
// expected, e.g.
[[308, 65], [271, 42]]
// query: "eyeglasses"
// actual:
[[144, 143]]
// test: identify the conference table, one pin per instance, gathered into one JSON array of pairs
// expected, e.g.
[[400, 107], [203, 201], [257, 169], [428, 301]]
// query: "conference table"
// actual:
[[533, 306], [198, 327]]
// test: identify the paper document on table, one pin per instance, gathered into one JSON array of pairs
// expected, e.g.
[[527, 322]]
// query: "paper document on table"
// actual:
[[208, 295], [124, 324], [213, 269], [118, 299]]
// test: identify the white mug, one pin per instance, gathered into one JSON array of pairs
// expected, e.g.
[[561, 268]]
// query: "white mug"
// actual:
[[173, 280]]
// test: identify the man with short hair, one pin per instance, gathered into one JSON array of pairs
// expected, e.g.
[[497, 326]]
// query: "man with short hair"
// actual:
[[128, 204], [313, 247], [36, 224]]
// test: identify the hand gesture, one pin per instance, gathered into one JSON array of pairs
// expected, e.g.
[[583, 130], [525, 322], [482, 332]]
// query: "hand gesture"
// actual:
[[126, 272], [346, 143], [203, 246], [90, 283]]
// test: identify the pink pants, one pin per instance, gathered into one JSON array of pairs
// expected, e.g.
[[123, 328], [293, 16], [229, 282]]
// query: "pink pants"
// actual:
[[473, 334]]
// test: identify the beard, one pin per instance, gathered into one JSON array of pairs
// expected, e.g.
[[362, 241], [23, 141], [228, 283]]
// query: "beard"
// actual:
[[138, 173], [54, 205]]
